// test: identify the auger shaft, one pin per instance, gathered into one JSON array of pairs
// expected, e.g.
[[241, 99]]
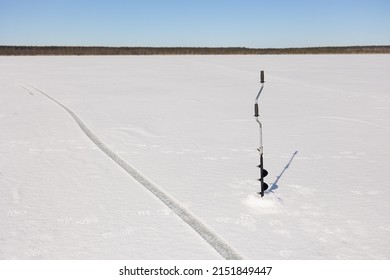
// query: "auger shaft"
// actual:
[[263, 172]]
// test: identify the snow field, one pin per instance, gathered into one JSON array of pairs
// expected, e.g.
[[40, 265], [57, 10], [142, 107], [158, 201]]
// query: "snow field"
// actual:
[[187, 124]]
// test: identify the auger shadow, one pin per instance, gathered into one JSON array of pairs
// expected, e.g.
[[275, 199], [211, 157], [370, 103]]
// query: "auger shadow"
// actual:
[[274, 185]]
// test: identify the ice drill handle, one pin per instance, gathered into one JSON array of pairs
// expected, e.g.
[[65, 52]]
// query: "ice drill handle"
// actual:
[[262, 77], [256, 110]]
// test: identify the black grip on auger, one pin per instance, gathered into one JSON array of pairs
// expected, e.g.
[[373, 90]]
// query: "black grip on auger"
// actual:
[[262, 77], [256, 110]]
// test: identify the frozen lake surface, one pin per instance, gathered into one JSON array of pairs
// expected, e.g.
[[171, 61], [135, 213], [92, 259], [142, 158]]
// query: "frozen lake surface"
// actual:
[[154, 157]]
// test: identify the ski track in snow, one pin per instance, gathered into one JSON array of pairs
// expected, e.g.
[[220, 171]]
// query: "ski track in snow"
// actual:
[[207, 234]]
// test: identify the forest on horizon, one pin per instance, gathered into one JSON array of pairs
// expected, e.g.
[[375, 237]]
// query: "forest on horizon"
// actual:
[[91, 50]]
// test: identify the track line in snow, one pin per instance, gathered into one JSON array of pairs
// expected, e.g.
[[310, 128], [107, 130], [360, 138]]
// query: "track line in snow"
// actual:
[[206, 233], [26, 89]]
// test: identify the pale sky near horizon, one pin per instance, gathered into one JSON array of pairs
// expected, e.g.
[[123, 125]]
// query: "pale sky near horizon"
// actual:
[[208, 23]]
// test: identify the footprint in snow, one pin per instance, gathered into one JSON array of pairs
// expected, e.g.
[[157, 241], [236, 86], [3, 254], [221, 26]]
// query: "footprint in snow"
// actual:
[[385, 228], [275, 223], [210, 158], [286, 253]]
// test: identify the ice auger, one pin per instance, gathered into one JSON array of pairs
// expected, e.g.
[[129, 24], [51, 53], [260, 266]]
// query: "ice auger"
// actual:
[[263, 172]]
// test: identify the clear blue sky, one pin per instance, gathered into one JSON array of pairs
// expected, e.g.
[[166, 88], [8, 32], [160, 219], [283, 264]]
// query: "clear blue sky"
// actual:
[[210, 23]]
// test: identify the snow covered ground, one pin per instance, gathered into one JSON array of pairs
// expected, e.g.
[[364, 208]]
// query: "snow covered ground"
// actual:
[[185, 125]]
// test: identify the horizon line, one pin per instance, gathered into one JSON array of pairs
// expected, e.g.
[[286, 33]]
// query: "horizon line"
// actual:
[[193, 47]]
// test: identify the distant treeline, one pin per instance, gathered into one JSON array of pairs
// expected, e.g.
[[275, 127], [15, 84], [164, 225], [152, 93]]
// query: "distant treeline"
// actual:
[[58, 50]]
